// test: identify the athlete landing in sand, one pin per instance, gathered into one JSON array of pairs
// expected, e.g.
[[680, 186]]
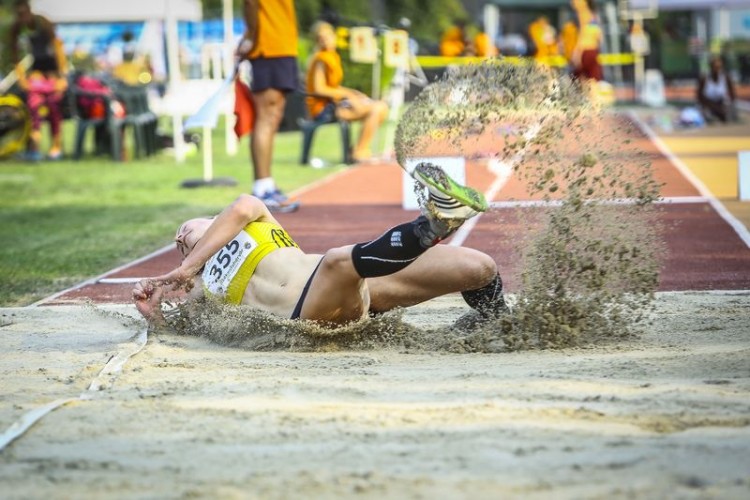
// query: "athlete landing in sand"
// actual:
[[243, 256]]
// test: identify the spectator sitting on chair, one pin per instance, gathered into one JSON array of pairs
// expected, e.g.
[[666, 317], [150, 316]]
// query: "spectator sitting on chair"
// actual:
[[454, 41], [324, 76], [716, 93], [133, 70], [483, 44], [46, 81]]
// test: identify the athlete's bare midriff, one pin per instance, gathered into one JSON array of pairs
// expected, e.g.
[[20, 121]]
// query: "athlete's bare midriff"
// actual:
[[279, 279]]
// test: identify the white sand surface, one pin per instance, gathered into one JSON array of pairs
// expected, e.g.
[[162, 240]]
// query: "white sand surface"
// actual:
[[662, 415]]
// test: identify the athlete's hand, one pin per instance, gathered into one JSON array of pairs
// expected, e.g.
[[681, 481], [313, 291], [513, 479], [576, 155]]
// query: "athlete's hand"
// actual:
[[178, 279], [147, 296]]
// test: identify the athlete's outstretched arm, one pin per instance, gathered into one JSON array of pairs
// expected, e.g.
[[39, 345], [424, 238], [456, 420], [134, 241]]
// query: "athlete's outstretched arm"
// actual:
[[149, 292], [244, 210]]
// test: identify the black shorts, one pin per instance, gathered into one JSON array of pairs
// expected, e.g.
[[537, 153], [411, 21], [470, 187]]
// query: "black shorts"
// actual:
[[280, 73]]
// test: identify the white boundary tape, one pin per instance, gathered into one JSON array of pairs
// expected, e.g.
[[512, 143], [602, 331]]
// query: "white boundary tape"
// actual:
[[730, 219], [103, 380]]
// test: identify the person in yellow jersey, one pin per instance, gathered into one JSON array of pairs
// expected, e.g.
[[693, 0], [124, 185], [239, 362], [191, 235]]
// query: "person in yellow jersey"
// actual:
[[585, 55], [270, 43], [244, 257], [324, 76]]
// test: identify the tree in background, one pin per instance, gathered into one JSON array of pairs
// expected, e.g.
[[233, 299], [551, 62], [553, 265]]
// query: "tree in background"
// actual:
[[6, 18], [440, 14]]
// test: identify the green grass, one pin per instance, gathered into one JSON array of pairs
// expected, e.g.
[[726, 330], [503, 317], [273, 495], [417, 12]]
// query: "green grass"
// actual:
[[64, 222]]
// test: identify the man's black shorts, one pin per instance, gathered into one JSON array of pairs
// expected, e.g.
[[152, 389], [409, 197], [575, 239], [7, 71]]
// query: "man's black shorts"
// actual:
[[280, 73]]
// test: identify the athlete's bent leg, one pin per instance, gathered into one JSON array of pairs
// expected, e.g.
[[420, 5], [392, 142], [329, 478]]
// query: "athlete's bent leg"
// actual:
[[338, 292], [439, 271]]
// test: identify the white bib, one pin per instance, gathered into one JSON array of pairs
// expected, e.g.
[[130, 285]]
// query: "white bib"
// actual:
[[222, 267]]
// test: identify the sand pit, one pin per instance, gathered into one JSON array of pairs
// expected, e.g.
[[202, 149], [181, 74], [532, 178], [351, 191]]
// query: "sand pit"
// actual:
[[662, 415]]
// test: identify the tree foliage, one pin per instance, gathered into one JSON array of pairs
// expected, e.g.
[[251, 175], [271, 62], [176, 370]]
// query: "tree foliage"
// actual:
[[428, 17]]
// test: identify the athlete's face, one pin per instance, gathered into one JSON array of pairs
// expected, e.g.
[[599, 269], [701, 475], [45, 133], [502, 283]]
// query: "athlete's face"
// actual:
[[189, 233]]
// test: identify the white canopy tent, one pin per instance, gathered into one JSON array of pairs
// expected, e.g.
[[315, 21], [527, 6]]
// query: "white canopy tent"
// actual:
[[159, 15], [165, 12]]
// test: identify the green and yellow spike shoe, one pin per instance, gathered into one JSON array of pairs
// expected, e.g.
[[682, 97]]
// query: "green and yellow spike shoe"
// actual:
[[448, 198]]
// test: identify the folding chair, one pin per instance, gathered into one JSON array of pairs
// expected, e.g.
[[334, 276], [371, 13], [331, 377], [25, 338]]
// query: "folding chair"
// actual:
[[308, 126]]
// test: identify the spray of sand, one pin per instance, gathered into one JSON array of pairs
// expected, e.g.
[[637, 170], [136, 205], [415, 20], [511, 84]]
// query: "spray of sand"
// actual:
[[591, 248], [589, 252]]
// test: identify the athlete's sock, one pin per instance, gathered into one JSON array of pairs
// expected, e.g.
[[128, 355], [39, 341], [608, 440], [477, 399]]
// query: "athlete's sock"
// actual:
[[263, 186], [394, 250], [488, 300]]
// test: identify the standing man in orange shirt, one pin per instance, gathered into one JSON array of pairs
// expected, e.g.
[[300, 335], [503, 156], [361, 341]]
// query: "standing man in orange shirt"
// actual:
[[270, 43]]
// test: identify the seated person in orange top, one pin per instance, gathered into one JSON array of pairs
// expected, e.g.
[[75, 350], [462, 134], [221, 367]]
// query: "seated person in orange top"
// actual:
[[483, 45], [454, 42], [324, 76], [543, 34]]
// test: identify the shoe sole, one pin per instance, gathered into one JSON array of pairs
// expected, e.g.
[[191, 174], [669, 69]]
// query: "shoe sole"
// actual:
[[284, 209], [434, 176]]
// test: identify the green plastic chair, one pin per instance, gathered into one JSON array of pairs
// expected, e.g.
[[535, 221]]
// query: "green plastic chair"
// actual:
[[139, 116], [108, 129]]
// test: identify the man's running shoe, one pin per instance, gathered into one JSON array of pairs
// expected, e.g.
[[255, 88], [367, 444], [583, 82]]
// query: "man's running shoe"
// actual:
[[449, 199], [277, 202]]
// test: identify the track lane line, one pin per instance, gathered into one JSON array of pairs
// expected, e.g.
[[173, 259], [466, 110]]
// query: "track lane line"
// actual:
[[102, 276], [503, 172], [730, 219]]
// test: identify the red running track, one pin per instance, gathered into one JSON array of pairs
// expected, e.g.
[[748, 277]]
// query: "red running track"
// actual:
[[703, 252]]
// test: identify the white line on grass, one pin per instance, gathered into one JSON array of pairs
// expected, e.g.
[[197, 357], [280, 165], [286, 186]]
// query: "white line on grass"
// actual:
[[730, 219], [102, 276]]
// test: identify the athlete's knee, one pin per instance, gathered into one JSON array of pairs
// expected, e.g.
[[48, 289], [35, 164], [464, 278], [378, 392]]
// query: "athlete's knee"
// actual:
[[480, 270], [338, 262]]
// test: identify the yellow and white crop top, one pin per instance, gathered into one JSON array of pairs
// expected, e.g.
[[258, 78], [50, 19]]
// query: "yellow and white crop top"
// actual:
[[229, 270]]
